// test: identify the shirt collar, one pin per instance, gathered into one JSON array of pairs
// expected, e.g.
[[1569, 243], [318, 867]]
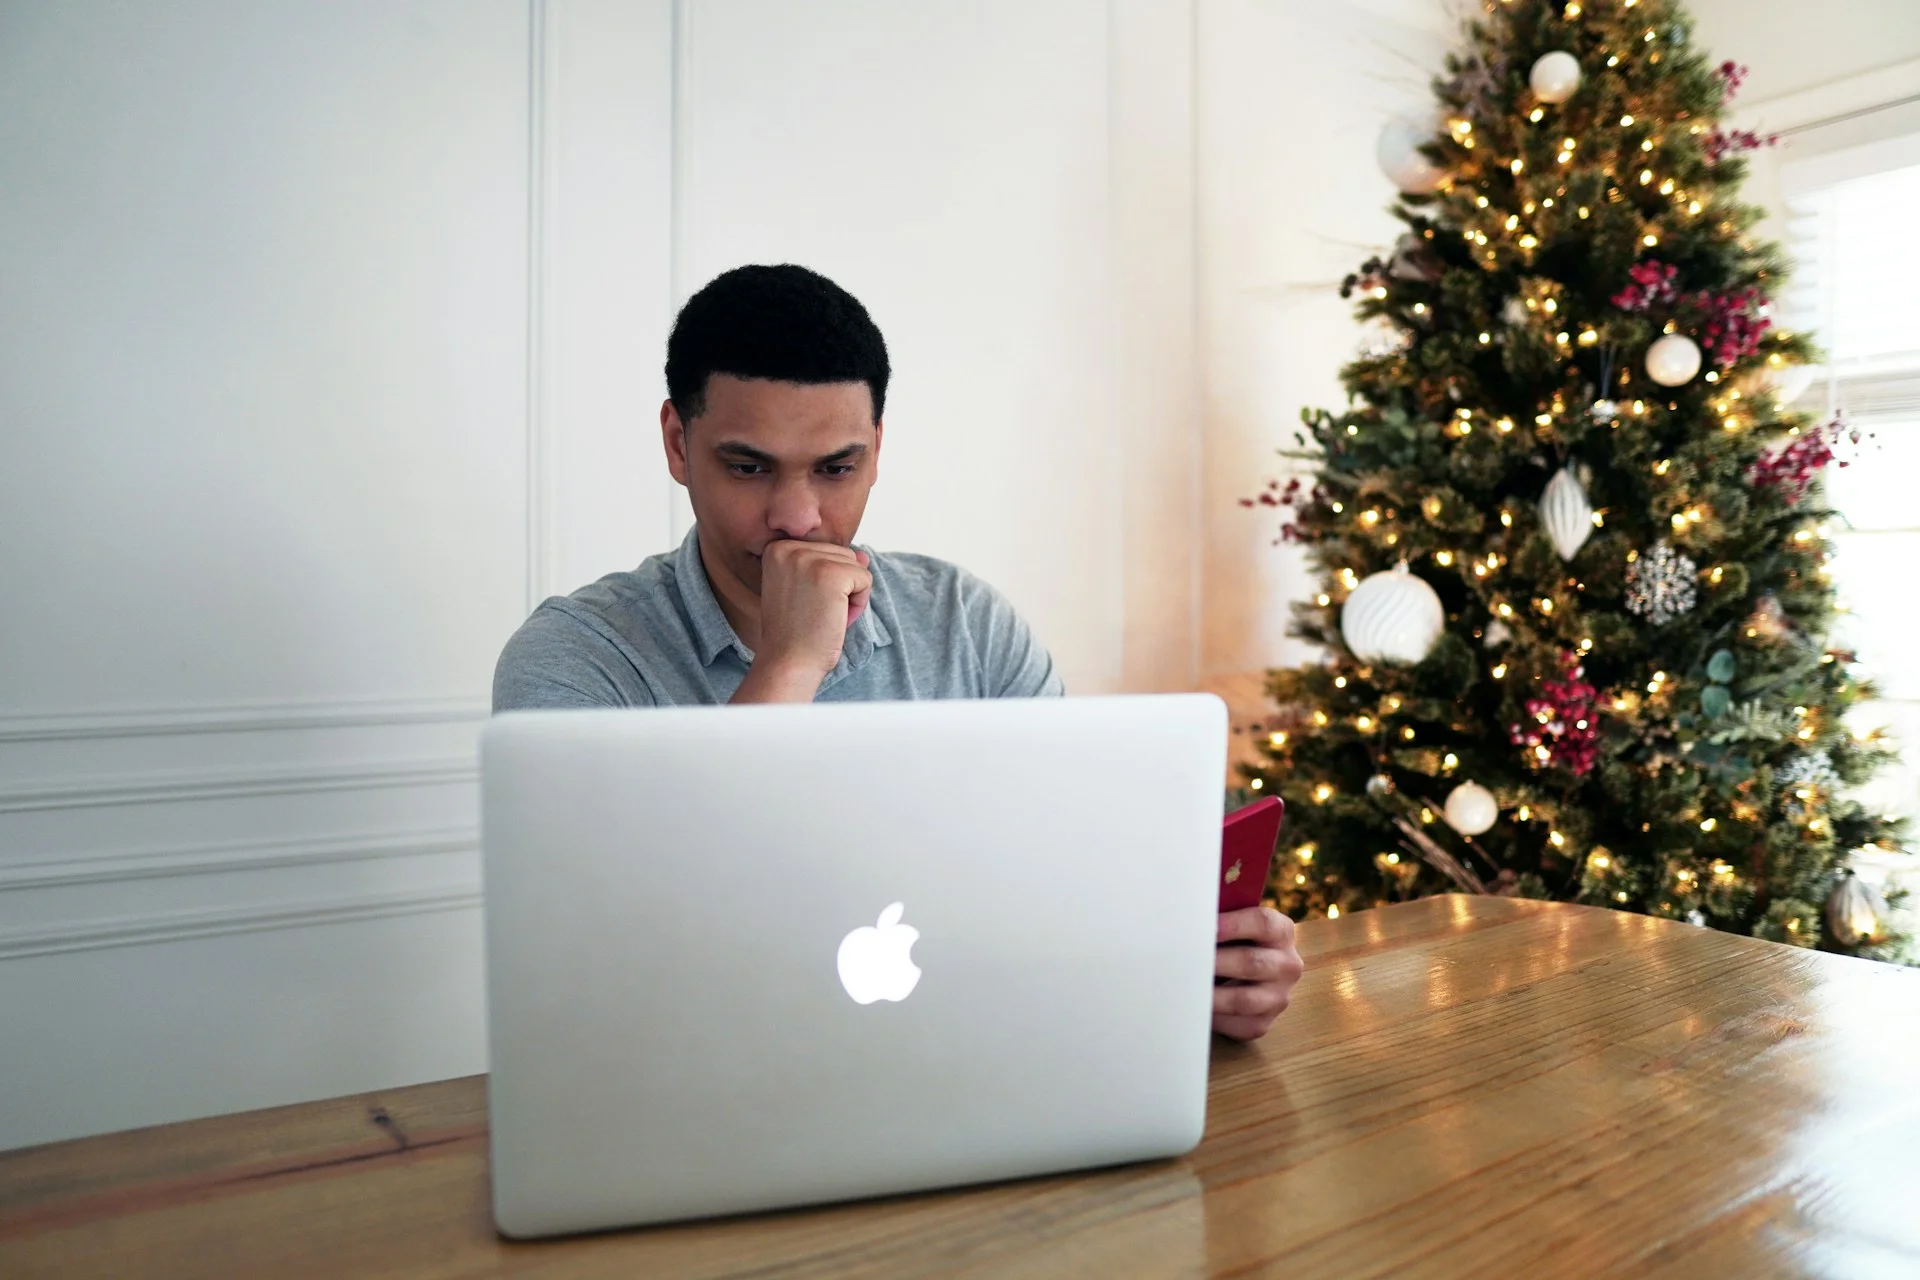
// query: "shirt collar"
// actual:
[[714, 634]]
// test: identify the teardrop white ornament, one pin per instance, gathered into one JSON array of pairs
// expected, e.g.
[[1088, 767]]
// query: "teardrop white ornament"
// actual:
[[1392, 616], [1554, 76], [1673, 360], [1566, 513], [1855, 911], [1471, 809]]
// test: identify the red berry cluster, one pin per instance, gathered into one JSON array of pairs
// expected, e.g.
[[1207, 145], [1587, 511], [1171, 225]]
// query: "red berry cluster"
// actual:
[[1274, 496], [1793, 466], [1722, 142], [1653, 286], [1565, 720], [1731, 75], [1732, 325]]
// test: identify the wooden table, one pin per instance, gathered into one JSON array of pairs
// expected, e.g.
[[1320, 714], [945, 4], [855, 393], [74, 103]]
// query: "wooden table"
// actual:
[[1464, 1087]]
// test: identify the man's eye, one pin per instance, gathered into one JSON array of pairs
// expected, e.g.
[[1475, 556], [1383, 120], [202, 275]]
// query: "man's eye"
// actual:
[[837, 469], [745, 469]]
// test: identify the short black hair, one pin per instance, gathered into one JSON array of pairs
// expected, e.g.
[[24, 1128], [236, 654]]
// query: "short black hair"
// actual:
[[781, 322]]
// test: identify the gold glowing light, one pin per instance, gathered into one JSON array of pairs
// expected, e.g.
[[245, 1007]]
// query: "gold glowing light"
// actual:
[[1322, 793]]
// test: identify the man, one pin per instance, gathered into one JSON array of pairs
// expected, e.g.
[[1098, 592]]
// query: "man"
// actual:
[[776, 386]]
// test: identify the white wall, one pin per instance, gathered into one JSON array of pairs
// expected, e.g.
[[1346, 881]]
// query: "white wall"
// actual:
[[330, 341], [1290, 100], [322, 331], [957, 168]]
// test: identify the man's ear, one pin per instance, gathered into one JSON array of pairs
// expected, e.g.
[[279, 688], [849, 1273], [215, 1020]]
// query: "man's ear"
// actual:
[[879, 433], [673, 438]]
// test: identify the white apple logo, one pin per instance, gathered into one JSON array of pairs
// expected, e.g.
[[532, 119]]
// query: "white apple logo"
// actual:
[[874, 964]]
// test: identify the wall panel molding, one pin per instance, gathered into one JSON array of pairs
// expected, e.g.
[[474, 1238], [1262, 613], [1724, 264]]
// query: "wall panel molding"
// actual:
[[237, 717], [235, 784], [213, 858], [129, 931]]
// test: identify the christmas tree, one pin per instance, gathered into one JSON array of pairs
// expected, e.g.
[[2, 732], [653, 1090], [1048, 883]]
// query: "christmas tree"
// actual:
[[1569, 533]]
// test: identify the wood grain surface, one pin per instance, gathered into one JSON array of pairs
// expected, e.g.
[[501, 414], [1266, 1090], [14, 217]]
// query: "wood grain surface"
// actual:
[[1464, 1087]]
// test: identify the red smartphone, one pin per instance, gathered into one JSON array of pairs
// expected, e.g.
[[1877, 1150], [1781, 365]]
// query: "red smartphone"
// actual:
[[1247, 840]]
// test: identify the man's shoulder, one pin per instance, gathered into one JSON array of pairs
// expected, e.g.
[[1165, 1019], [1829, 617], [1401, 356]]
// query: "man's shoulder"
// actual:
[[642, 592], [601, 645], [929, 579]]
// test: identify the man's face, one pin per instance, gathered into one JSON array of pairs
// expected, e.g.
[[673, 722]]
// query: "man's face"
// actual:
[[769, 460]]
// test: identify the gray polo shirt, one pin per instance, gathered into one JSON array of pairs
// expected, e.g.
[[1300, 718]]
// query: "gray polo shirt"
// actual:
[[655, 637]]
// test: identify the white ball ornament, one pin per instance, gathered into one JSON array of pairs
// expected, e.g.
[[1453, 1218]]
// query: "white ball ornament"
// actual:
[[1566, 513], [1392, 616], [1673, 360], [1471, 809], [1398, 152], [1554, 76]]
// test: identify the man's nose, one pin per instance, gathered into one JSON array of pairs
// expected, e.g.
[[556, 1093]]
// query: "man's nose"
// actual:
[[795, 510]]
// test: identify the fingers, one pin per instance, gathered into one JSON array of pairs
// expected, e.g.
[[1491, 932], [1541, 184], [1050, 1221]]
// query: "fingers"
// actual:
[[1241, 1028], [1261, 1000], [1258, 964], [1262, 926], [792, 550]]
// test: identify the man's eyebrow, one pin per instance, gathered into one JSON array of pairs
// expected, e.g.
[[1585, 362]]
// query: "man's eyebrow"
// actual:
[[739, 450], [747, 453]]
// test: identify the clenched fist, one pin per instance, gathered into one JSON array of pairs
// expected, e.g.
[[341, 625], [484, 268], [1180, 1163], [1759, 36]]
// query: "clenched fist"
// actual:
[[810, 593]]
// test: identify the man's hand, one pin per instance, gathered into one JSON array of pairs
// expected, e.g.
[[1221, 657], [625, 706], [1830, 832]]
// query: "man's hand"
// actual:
[[810, 593], [1260, 976]]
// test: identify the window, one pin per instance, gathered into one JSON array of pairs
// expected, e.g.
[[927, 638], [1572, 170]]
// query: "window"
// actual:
[[1854, 235]]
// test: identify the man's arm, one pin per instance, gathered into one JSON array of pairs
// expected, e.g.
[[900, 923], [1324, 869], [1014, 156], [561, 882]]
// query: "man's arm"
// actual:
[[1014, 663]]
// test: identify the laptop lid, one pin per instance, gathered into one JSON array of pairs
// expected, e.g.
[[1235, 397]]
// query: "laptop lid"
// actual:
[[701, 997]]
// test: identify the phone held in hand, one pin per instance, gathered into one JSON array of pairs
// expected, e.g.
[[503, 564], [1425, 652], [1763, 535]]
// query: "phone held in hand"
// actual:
[[1247, 840]]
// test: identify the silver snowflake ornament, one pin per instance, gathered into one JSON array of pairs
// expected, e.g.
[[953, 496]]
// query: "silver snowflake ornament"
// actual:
[[1813, 769], [1661, 584], [1381, 337]]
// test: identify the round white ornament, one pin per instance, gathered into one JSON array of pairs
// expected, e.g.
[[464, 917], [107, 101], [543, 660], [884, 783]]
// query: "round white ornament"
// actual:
[[1471, 809], [1496, 634], [1401, 160], [1673, 360], [1566, 513], [1392, 616], [1788, 382], [1554, 76]]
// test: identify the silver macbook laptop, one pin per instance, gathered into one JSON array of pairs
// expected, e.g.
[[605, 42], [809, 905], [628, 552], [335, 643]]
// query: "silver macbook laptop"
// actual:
[[748, 957]]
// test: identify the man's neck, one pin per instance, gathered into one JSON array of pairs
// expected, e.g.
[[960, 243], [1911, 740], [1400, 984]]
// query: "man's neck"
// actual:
[[737, 601]]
